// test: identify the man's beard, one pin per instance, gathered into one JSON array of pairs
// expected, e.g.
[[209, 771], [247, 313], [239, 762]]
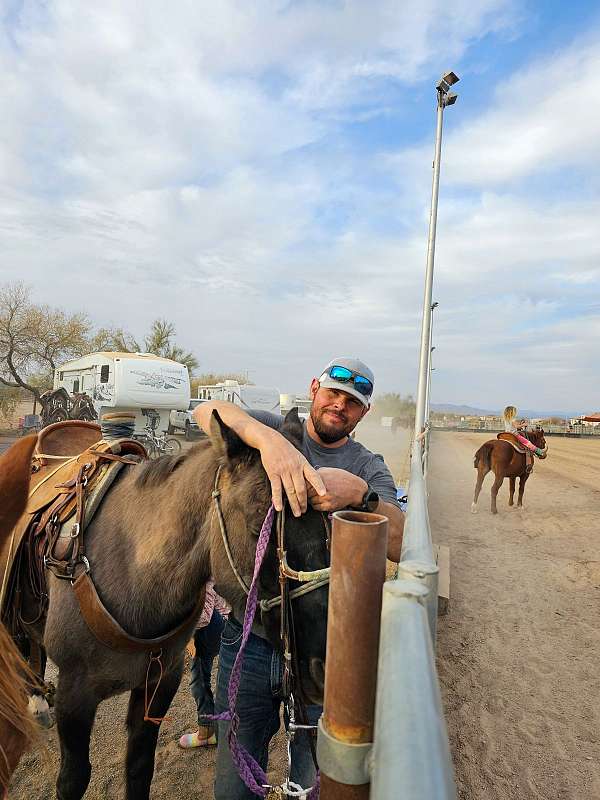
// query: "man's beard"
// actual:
[[328, 433]]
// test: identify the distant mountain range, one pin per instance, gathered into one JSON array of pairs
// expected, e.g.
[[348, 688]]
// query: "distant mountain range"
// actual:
[[529, 413]]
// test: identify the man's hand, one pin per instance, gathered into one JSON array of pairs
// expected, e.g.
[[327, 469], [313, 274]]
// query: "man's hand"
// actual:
[[289, 471], [343, 489]]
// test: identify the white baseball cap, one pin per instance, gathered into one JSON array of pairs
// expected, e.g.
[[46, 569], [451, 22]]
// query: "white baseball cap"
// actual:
[[349, 375]]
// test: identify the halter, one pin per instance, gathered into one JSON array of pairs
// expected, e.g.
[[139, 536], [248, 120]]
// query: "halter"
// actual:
[[314, 579], [251, 772]]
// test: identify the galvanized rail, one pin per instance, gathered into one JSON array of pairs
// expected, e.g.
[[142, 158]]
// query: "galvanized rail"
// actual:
[[411, 754]]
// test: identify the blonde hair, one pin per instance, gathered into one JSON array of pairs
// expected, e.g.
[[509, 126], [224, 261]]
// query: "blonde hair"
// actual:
[[510, 413]]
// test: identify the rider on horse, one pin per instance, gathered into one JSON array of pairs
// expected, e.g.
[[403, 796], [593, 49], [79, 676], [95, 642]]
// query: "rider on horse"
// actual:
[[512, 426]]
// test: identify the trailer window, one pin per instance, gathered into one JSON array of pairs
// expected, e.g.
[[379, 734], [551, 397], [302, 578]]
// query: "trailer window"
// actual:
[[104, 373], [75, 385]]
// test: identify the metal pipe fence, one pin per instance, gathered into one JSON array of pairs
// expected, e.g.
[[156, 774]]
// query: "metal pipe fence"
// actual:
[[575, 431], [411, 757]]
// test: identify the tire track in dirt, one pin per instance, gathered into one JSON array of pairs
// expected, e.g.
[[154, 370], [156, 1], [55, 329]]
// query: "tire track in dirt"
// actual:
[[517, 653]]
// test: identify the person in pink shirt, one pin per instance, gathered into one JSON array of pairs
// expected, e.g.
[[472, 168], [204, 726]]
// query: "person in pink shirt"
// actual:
[[511, 425], [207, 641]]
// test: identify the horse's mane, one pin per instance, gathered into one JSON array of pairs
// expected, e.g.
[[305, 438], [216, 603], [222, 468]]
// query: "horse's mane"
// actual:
[[534, 436]]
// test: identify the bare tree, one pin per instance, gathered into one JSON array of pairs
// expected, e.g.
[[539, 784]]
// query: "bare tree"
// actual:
[[34, 340], [160, 342], [113, 340]]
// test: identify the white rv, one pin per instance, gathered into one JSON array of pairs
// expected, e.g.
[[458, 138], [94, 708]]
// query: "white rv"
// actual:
[[133, 382], [303, 404], [255, 398]]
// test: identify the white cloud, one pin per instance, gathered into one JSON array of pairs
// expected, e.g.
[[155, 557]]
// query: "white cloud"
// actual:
[[541, 119], [171, 164]]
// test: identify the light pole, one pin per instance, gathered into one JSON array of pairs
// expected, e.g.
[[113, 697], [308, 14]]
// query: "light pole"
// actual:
[[430, 368], [428, 406], [444, 98]]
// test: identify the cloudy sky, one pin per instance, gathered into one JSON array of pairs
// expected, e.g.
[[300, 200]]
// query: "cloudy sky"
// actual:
[[260, 174]]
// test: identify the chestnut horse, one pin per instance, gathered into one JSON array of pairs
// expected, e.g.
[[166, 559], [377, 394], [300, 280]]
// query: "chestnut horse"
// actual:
[[152, 545], [16, 726], [499, 456]]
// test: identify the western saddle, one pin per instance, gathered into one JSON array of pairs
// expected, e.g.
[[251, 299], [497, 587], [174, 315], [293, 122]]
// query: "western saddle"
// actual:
[[72, 469], [512, 440]]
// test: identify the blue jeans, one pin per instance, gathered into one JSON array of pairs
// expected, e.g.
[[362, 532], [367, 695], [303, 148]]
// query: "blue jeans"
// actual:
[[207, 641], [258, 706]]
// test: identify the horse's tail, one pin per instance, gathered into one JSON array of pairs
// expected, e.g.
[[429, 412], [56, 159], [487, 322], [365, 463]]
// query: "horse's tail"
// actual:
[[483, 455]]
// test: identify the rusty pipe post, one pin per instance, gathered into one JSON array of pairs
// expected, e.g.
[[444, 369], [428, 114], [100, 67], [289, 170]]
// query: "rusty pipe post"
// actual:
[[358, 560]]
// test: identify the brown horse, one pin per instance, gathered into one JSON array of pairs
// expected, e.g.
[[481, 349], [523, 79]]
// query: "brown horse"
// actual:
[[16, 726], [152, 545], [501, 457]]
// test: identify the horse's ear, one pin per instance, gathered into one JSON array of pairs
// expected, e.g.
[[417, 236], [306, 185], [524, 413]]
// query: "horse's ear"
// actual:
[[225, 440], [292, 428]]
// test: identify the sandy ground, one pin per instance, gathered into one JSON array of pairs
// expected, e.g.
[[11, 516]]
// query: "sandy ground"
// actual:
[[517, 654]]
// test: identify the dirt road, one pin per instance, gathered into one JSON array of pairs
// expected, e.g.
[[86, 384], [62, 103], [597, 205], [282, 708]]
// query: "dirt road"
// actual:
[[518, 654]]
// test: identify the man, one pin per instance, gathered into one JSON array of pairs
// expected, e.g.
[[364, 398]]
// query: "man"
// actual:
[[332, 472]]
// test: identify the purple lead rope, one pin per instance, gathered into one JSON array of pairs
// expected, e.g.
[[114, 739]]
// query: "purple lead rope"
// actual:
[[249, 770]]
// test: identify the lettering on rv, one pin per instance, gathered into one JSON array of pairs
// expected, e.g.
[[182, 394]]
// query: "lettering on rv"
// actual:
[[157, 381]]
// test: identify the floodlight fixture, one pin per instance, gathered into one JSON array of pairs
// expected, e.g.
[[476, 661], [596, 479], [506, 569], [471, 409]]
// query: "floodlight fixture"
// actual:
[[434, 305], [450, 78], [444, 98]]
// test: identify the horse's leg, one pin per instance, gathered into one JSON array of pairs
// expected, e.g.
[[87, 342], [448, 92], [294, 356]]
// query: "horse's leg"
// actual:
[[482, 471], [142, 736], [34, 653], [511, 499], [522, 481], [495, 488], [75, 709]]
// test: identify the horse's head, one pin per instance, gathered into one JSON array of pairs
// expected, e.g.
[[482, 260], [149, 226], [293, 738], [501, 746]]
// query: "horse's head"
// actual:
[[536, 436], [245, 500]]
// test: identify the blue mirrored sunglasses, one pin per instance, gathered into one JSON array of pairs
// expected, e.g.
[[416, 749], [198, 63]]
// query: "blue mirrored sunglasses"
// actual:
[[345, 375]]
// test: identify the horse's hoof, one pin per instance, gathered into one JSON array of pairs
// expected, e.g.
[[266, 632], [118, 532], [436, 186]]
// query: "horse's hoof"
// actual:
[[40, 711], [494, 510], [473, 508]]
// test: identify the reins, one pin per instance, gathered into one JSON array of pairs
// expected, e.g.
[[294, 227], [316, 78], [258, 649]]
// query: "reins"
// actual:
[[249, 770]]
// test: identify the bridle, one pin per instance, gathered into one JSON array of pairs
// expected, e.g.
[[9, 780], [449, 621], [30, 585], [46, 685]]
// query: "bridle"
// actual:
[[311, 581]]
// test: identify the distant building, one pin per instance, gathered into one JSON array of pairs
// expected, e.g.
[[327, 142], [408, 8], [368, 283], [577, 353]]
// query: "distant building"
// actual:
[[587, 420]]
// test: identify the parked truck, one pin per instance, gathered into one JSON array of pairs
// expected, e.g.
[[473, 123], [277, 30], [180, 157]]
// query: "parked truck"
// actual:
[[184, 421], [87, 387]]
